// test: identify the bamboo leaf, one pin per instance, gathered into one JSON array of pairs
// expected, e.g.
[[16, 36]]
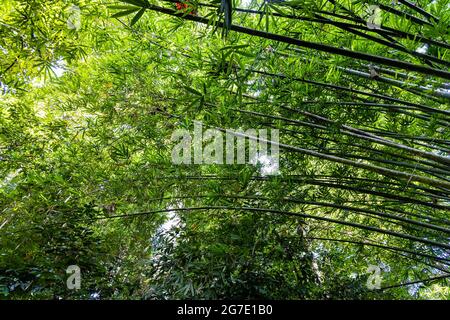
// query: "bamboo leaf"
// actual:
[[139, 3], [125, 13], [137, 16], [192, 90]]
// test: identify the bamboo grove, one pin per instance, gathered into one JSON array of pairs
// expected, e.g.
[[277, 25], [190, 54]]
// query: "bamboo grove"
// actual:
[[359, 91]]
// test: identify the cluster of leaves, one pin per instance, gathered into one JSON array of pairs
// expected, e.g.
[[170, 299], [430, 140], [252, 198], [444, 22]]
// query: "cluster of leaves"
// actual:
[[85, 158]]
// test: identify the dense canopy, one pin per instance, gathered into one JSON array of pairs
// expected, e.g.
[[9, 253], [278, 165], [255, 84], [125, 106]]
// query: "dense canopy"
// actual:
[[356, 208]]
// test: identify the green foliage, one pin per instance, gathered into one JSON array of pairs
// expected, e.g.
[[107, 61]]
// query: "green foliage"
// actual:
[[86, 116]]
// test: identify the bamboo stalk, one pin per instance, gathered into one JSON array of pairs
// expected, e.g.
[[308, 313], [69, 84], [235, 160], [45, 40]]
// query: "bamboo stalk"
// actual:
[[288, 213], [307, 44]]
